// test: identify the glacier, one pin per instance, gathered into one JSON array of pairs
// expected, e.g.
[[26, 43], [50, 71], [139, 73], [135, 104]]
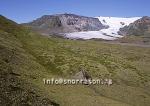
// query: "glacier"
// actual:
[[111, 33]]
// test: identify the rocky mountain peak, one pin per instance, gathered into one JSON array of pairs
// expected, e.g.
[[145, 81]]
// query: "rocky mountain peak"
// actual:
[[64, 23]]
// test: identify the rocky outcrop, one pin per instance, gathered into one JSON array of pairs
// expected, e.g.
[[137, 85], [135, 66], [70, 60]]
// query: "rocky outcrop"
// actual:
[[82, 75], [63, 23]]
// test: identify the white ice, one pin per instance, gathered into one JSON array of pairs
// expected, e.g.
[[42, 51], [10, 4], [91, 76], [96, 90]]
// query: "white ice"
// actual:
[[114, 23]]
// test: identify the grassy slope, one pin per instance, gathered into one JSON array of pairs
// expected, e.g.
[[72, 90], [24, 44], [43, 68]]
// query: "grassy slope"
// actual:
[[18, 70], [35, 57], [128, 66], [135, 39]]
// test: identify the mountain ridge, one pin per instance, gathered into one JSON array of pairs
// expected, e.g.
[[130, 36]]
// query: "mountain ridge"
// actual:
[[81, 27], [64, 23]]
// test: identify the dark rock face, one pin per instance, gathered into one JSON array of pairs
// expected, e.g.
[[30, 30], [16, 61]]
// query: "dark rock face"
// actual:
[[139, 28], [63, 23]]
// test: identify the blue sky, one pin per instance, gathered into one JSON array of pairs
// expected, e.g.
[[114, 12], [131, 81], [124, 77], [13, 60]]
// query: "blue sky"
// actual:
[[27, 10]]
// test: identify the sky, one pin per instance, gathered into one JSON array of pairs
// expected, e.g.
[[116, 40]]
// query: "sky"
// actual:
[[23, 11]]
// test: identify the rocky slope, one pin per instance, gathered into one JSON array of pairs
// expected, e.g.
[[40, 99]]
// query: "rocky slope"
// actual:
[[62, 23], [140, 27]]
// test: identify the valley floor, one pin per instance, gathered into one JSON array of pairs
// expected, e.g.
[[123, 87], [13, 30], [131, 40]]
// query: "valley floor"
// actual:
[[127, 44], [27, 58]]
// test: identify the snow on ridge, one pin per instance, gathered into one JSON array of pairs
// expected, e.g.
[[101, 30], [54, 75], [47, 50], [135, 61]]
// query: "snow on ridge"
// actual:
[[117, 20], [111, 33]]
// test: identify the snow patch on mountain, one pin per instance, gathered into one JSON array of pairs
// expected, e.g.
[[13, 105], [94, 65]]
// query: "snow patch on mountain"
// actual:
[[111, 33]]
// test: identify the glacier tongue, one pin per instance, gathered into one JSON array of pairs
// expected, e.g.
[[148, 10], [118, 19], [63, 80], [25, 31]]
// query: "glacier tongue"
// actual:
[[111, 33], [90, 35]]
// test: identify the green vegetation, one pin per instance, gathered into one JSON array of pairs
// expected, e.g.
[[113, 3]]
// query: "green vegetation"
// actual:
[[26, 58], [144, 40]]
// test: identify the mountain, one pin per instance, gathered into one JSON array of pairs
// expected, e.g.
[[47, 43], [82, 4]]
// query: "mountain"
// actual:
[[140, 27], [81, 27], [64, 23]]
